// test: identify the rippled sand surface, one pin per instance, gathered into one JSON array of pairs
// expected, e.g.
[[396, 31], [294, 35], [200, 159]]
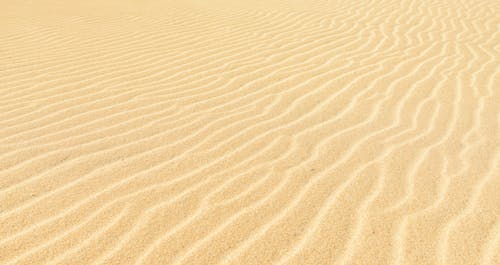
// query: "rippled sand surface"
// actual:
[[250, 132]]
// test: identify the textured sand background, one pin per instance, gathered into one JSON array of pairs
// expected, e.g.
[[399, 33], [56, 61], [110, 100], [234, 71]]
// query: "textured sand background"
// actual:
[[250, 132]]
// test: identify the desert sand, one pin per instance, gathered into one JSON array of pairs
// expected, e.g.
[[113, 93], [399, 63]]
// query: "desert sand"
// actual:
[[250, 132]]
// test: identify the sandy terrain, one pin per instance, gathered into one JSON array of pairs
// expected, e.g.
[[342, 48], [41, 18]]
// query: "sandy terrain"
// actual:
[[250, 132]]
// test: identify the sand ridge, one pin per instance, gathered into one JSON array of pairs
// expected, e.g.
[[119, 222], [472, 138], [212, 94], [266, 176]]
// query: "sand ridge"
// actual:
[[250, 132]]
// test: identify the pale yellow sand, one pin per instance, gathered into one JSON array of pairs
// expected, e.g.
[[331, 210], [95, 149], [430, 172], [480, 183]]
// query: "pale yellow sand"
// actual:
[[250, 132]]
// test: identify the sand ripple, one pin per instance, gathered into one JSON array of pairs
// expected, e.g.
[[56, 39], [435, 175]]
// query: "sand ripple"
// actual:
[[250, 132]]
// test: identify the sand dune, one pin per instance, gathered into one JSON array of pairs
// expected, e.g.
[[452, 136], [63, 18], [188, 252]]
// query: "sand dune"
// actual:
[[250, 132]]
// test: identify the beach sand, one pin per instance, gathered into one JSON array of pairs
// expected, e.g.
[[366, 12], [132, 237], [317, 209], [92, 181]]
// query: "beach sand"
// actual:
[[250, 132]]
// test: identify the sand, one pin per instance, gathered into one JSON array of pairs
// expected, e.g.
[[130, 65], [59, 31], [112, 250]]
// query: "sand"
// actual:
[[250, 132]]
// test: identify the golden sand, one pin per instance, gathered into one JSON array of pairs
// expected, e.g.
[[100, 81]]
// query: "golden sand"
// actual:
[[250, 132]]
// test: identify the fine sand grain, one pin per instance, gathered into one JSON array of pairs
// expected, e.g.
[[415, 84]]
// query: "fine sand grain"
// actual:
[[250, 132]]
